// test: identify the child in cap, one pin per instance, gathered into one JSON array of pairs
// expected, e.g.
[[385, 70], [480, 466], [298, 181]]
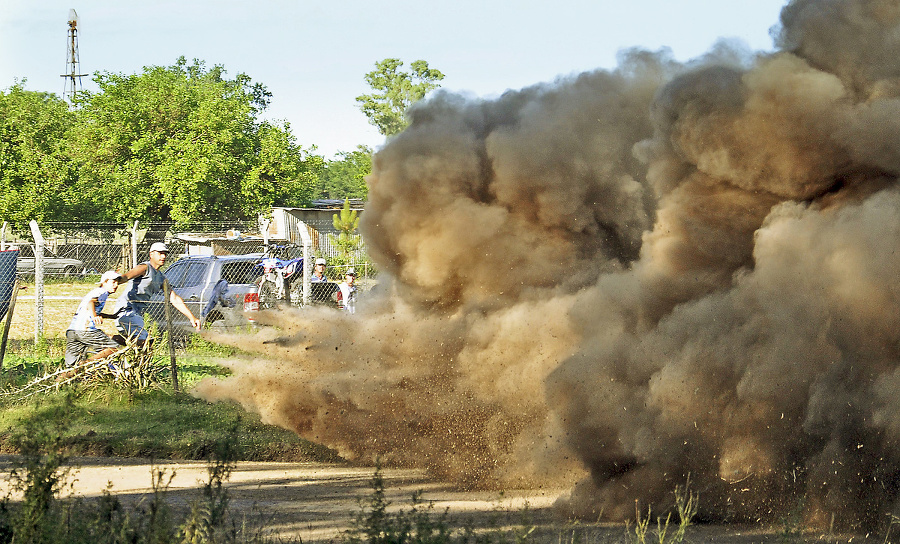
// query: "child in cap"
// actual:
[[84, 334], [347, 294]]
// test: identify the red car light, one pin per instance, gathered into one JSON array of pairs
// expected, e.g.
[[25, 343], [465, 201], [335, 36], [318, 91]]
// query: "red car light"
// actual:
[[251, 302]]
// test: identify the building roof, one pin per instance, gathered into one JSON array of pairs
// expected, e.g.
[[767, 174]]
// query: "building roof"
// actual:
[[328, 204]]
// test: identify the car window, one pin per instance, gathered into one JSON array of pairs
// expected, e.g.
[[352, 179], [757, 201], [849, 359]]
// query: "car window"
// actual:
[[175, 273], [25, 252], [238, 272], [195, 274]]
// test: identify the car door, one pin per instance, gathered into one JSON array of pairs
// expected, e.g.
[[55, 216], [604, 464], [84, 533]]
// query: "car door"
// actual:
[[190, 284], [25, 262]]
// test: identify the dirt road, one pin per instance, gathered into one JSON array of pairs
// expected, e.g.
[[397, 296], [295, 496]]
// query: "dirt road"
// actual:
[[317, 502]]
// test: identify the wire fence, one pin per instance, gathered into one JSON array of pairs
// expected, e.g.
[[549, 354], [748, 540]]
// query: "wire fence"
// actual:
[[56, 264]]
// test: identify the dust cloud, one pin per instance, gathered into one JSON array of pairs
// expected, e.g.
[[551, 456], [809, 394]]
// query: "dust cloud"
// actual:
[[628, 278]]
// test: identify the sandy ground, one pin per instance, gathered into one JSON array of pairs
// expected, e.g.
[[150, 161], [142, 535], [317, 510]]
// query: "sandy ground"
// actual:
[[317, 502]]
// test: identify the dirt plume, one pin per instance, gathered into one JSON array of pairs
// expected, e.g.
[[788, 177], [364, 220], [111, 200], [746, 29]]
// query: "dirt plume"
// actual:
[[629, 278]]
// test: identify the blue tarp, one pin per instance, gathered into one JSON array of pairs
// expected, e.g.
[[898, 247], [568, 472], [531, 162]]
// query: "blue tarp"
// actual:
[[7, 278]]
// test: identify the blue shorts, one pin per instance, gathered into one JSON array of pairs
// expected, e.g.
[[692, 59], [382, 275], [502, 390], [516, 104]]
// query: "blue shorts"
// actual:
[[131, 324]]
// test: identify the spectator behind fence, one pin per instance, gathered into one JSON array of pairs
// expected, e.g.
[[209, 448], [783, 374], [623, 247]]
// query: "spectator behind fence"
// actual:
[[318, 271], [147, 280], [347, 293], [84, 334]]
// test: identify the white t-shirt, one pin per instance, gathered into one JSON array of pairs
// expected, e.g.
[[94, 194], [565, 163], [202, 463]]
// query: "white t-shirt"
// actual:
[[84, 318]]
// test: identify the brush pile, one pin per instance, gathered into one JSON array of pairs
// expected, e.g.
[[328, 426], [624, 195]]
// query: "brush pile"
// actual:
[[132, 366]]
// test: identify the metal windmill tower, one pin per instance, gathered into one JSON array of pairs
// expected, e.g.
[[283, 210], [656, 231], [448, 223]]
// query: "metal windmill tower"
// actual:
[[73, 65]]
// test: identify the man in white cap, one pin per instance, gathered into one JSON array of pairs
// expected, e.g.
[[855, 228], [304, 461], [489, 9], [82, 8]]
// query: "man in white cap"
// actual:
[[84, 333], [147, 280], [318, 271]]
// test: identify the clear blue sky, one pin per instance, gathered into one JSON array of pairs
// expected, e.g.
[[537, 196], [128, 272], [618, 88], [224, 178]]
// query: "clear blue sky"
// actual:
[[313, 55]]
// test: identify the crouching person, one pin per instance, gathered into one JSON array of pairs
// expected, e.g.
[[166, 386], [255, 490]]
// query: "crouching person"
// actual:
[[84, 334]]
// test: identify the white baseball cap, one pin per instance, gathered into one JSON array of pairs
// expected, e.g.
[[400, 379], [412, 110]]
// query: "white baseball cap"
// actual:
[[160, 247], [109, 275], [320, 260]]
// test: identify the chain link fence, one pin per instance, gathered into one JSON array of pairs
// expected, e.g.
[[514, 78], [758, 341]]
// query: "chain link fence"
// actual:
[[58, 263]]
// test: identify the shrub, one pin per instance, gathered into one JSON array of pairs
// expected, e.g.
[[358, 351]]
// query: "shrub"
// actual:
[[41, 516]]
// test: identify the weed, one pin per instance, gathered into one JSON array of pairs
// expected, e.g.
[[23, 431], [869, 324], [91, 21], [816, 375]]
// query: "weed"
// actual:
[[41, 516], [208, 519], [39, 474], [686, 504], [421, 525], [374, 525]]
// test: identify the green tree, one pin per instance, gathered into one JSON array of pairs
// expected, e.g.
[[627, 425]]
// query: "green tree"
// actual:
[[346, 242], [284, 174], [345, 177], [183, 143], [347, 221], [395, 92], [36, 174]]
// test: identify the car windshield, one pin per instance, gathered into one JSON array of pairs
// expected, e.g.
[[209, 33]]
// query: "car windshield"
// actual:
[[27, 252], [186, 273]]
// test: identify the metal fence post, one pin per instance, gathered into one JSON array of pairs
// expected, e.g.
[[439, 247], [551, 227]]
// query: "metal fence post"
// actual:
[[134, 252], [264, 230], [39, 244], [3, 237], [307, 241]]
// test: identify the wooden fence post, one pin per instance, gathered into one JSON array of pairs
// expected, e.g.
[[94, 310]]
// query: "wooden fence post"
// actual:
[[167, 290], [9, 316]]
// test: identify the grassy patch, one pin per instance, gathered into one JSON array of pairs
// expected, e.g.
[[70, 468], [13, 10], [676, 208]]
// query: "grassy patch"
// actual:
[[109, 420], [40, 474], [61, 298], [160, 425]]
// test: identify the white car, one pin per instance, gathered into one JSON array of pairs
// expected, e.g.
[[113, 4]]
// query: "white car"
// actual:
[[53, 265]]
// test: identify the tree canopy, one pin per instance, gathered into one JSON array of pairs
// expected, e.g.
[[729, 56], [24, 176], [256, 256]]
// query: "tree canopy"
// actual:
[[395, 92], [345, 176], [36, 174], [183, 143]]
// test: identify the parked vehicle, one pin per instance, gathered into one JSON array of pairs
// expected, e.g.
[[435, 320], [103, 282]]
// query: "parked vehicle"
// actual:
[[275, 276], [53, 264], [280, 278], [217, 289]]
